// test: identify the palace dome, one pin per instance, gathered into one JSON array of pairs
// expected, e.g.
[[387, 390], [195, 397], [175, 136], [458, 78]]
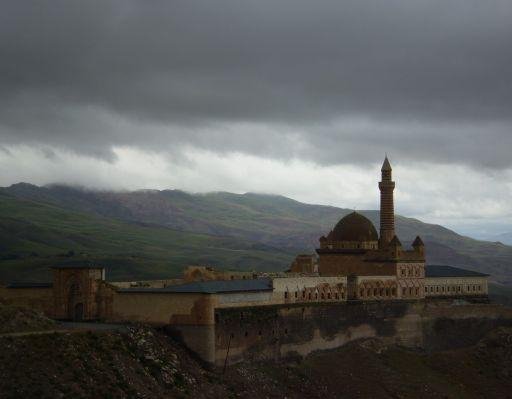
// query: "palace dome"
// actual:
[[354, 227]]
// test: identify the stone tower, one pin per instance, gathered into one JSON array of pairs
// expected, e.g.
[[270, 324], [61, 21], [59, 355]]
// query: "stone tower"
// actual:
[[387, 212]]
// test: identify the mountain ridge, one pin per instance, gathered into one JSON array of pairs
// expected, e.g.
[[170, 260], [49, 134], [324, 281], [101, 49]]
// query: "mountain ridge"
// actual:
[[271, 220]]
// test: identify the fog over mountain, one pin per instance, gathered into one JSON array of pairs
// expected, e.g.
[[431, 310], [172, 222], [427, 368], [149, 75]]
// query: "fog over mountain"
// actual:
[[297, 98]]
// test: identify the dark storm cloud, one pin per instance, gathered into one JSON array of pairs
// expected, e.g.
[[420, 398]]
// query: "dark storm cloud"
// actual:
[[336, 81]]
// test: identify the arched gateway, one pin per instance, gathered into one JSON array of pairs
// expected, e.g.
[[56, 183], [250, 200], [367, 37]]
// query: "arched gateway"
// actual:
[[76, 290]]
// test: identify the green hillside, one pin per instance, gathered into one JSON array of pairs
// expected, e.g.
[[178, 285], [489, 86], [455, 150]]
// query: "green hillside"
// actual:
[[267, 224], [34, 236]]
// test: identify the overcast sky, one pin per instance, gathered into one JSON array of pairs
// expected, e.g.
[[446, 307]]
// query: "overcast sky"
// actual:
[[296, 97]]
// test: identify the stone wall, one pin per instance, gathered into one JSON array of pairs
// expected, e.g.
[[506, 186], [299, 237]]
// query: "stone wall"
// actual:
[[274, 332], [281, 331], [345, 264], [34, 298], [163, 308]]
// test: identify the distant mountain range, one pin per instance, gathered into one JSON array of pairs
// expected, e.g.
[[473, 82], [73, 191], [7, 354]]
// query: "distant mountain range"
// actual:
[[505, 238], [151, 233]]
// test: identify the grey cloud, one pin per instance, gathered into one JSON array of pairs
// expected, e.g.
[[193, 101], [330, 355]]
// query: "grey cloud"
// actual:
[[333, 81]]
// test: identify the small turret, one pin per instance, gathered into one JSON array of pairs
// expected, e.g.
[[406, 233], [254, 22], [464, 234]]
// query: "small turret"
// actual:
[[419, 246], [395, 247], [395, 242], [418, 242]]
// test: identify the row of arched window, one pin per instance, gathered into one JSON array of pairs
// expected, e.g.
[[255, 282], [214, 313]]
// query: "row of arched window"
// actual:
[[410, 291], [376, 292], [453, 289], [308, 294], [410, 272]]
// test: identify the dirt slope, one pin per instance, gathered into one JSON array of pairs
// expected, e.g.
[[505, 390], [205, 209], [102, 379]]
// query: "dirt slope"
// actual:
[[19, 319], [145, 363]]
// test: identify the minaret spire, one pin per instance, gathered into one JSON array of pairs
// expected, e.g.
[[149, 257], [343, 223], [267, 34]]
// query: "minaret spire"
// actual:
[[387, 210]]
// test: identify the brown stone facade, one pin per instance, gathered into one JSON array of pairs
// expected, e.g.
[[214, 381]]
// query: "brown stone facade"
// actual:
[[391, 271], [81, 293], [304, 264]]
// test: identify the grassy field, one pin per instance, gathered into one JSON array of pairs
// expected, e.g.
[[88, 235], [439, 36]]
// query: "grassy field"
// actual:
[[34, 236]]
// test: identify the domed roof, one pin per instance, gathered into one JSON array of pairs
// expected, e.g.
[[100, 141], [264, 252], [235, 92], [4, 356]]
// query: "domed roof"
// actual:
[[354, 227]]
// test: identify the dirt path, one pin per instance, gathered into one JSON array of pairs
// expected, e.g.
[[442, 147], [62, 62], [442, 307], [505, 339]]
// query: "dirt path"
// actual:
[[71, 327]]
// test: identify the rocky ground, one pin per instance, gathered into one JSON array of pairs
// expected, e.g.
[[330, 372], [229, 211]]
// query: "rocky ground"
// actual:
[[18, 319], [144, 363]]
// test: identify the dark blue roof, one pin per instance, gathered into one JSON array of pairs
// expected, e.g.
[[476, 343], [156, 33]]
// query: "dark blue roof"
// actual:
[[450, 271], [211, 287], [18, 284]]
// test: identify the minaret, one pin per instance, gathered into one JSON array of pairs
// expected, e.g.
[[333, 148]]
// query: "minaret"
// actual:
[[387, 211]]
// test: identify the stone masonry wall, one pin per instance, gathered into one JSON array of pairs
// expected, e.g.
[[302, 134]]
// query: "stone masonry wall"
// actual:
[[276, 332]]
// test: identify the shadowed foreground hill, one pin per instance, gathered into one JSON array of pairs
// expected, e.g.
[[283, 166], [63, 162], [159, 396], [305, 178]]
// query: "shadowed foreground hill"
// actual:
[[145, 363], [275, 222]]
